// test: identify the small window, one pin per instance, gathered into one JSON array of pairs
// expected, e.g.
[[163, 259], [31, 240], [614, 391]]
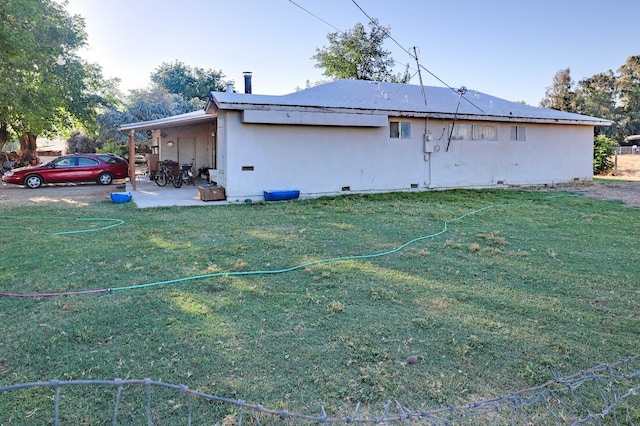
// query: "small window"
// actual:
[[462, 132], [108, 159], [84, 161], [518, 133], [400, 129], [482, 132], [66, 162]]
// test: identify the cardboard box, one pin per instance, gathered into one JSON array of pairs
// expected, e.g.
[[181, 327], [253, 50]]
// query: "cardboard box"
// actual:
[[211, 193]]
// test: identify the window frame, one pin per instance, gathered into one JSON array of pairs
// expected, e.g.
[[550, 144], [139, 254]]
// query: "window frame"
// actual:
[[476, 137], [402, 129], [518, 133]]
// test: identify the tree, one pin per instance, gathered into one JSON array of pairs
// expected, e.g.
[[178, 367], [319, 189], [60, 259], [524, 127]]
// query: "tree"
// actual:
[[359, 55], [603, 149], [560, 95], [189, 83], [141, 105], [44, 86], [628, 85], [596, 96]]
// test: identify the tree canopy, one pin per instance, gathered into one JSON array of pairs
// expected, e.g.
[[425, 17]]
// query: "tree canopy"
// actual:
[[189, 83], [178, 88], [45, 87], [608, 95], [141, 105], [356, 54]]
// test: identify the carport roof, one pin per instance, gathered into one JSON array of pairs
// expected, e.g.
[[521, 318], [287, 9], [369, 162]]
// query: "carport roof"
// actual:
[[194, 117]]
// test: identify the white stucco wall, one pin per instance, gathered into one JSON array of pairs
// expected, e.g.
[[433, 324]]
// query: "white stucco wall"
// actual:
[[322, 160], [550, 155]]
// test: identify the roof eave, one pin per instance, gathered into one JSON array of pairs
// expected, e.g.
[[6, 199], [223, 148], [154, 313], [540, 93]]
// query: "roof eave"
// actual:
[[163, 123], [416, 114]]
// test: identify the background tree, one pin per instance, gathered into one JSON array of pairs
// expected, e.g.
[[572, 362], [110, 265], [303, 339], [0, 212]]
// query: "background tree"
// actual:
[[615, 97], [356, 54], [44, 86], [140, 105], [189, 83], [177, 89], [597, 96], [628, 86], [560, 95]]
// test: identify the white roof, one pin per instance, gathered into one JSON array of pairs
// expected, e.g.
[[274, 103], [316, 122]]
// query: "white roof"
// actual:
[[392, 99], [401, 100]]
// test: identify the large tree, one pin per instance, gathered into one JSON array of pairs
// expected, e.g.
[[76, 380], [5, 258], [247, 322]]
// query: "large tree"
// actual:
[[356, 54], [141, 105], [597, 96], [560, 95], [189, 83], [628, 85], [44, 86]]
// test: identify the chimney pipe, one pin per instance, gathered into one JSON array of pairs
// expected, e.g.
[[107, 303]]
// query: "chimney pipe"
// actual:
[[229, 87], [247, 82]]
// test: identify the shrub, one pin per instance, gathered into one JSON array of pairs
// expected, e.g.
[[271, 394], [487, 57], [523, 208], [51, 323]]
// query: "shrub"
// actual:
[[603, 149]]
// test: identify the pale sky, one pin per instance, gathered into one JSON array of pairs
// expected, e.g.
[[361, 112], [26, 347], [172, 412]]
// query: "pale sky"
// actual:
[[506, 48]]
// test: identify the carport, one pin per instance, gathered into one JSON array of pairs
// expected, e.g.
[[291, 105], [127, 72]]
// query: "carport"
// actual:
[[183, 138]]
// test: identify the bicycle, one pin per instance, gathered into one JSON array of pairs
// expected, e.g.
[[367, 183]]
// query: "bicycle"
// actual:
[[167, 174], [186, 174]]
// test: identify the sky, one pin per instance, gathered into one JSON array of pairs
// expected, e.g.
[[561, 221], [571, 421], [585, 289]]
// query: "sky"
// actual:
[[506, 48]]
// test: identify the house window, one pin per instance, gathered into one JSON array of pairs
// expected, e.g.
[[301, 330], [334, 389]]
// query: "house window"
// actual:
[[482, 132], [462, 132], [400, 129], [518, 133]]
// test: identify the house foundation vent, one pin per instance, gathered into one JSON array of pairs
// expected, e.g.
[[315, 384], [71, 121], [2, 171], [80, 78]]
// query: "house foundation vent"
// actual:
[[346, 188], [414, 185]]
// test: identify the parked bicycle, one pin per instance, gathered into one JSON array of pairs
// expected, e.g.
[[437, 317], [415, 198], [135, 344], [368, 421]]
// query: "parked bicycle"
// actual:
[[168, 174], [186, 174]]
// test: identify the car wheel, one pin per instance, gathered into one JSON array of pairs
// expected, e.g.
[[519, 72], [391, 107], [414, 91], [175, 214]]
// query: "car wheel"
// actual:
[[33, 181], [105, 179]]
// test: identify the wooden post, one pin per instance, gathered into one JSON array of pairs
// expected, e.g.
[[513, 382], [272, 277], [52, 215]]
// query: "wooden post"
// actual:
[[132, 159]]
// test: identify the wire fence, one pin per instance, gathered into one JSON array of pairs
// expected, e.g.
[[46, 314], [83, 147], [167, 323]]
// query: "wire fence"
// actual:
[[606, 394]]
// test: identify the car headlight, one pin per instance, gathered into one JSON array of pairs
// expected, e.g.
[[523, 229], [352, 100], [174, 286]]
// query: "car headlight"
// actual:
[[9, 173]]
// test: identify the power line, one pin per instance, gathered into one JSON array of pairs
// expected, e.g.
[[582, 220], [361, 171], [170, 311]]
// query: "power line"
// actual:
[[414, 56], [375, 22], [407, 51], [316, 16]]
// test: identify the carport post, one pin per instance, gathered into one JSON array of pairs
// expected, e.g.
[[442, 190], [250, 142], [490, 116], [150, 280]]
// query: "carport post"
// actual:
[[132, 161]]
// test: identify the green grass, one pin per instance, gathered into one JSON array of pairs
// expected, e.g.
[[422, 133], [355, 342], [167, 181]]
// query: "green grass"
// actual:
[[533, 281]]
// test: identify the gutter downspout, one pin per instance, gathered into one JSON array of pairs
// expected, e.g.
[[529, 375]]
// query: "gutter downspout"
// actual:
[[132, 155]]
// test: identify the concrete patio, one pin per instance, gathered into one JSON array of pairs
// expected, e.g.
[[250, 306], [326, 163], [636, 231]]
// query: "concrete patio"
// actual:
[[148, 194]]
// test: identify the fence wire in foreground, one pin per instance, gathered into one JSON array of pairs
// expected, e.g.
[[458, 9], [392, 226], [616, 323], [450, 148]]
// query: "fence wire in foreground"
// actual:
[[605, 394]]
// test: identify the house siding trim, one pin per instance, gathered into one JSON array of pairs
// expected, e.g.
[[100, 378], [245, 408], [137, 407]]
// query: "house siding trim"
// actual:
[[292, 117]]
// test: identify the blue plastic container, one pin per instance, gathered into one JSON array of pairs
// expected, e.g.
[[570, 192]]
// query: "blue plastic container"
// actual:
[[120, 197], [290, 194]]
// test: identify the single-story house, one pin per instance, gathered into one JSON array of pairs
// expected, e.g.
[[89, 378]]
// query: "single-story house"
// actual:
[[352, 136]]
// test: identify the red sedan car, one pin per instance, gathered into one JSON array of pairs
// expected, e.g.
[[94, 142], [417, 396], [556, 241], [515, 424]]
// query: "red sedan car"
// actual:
[[100, 168]]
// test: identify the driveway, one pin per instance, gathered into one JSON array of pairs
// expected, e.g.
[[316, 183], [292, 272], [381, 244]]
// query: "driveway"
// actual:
[[147, 194]]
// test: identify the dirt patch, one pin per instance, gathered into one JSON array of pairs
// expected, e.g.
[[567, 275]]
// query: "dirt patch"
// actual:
[[66, 194], [623, 184]]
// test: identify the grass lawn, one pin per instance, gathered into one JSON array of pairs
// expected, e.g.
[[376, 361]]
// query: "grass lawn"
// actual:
[[536, 279]]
